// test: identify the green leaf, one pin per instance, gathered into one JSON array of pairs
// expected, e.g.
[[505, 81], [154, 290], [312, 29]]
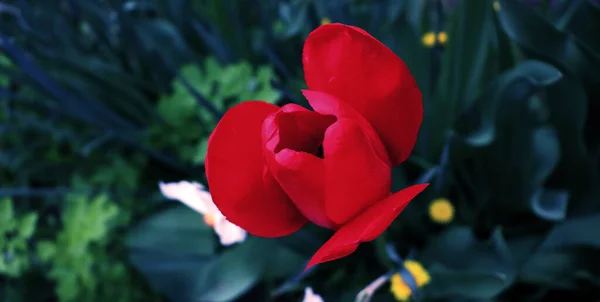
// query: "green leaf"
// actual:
[[27, 225], [460, 264], [212, 71], [576, 231], [467, 65], [478, 285], [546, 204], [178, 231], [558, 268], [584, 24], [458, 248], [201, 150], [179, 107], [46, 250], [546, 150], [293, 17], [477, 125], [164, 38], [528, 29], [414, 10], [284, 262], [6, 215], [235, 272], [4, 64], [171, 248], [550, 204], [569, 121], [234, 80]]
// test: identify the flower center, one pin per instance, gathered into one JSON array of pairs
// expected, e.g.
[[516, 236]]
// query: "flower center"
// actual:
[[320, 152], [303, 131], [209, 220]]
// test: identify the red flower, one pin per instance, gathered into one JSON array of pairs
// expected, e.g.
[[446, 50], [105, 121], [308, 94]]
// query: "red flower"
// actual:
[[271, 169]]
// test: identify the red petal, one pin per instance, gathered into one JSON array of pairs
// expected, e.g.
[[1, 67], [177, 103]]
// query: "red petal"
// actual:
[[301, 175], [328, 104], [355, 176], [365, 227], [241, 187], [350, 64], [292, 137], [357, 165]]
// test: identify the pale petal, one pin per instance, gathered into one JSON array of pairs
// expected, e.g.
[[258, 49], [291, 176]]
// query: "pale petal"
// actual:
[[228, 232], [191, 194], [310, 296]]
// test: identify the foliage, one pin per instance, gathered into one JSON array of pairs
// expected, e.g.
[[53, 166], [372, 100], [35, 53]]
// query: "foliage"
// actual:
[[15, 233], [84, 223], [100, 100], [224, 86]]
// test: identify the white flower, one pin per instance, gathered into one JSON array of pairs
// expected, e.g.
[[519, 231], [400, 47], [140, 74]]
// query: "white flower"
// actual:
[[310, 296], [195, 196]]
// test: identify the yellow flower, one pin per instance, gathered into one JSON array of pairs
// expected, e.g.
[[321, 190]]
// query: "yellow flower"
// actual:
[[400, 289], [441, 210], [418, 272], [325, 21], [496, 5], [428, 39], [442, 37]]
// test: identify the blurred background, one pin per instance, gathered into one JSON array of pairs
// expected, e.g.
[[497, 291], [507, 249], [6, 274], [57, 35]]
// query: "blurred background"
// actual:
[[102, 99]]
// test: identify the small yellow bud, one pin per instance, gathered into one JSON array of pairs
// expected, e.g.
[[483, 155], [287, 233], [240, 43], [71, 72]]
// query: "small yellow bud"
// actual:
[[429, 39], [442, 37], [496, 5], [325, 21], [441, 210]]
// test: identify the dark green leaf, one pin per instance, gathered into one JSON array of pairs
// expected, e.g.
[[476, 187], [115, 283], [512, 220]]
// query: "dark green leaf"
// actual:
[[578, 231], [176, 231], [550, 204], [479, 285], [547, 204], [477, 126], [559, 268], [234, 272], [284, 262], [170, 249], [528, 29], [466, 66], [294, 17], [164, 38], [414, 10], [458, 248], [462, 265], [173, 275], [582, 20], [546, 152], [568, 119]]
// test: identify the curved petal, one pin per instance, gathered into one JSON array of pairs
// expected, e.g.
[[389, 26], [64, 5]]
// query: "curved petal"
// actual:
[[241, 186], [355, 176], [358, 171], [292, 137], [325, 103], [365, 227], [350, 64]]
